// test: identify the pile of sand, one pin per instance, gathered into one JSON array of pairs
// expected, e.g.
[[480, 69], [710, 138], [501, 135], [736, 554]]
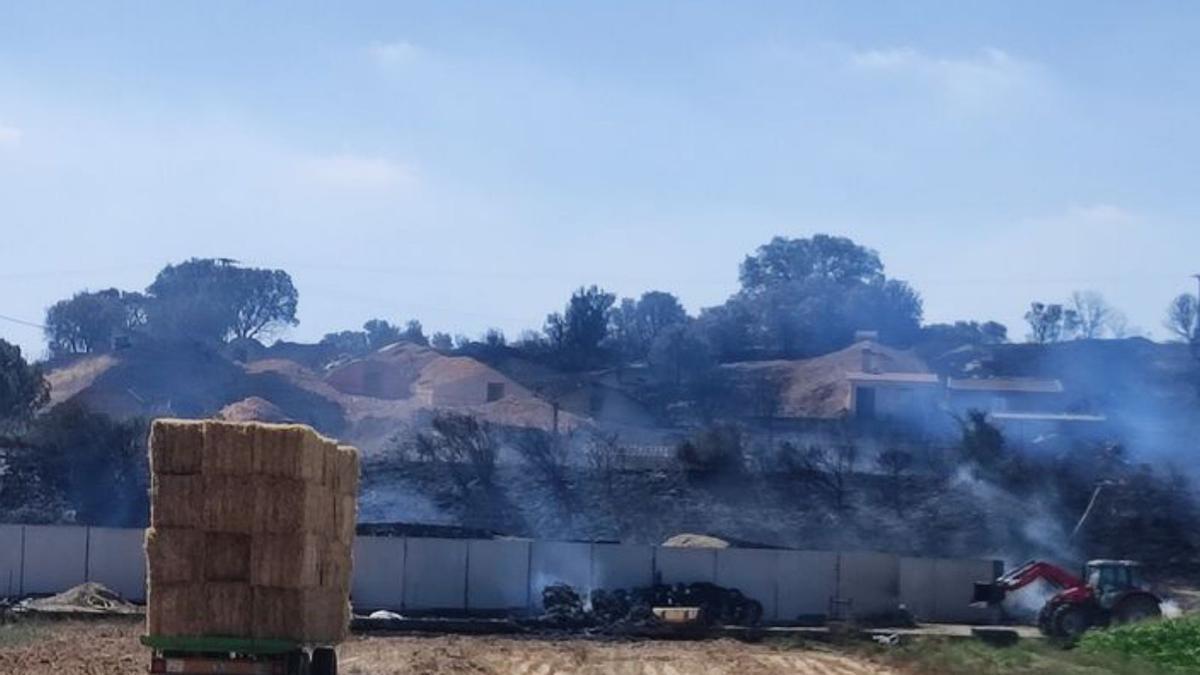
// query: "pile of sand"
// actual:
[[688, 540], [88, 598], [251, 531]]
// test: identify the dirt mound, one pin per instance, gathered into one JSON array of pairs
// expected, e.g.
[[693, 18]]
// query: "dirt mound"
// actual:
[[687, 540], [88, 598], [253, 409]]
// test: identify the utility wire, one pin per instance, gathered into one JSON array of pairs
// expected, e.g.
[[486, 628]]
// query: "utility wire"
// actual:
[[22, 322]]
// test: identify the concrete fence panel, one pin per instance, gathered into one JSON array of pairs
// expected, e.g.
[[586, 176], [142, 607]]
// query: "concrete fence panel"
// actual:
[[685, 565], [616, 566], [557, 562], [807, 581], [117, 559], [955, 584], [55, 558], [870, 582], [378, 577], [11, 550], [435, 574], [918, 584], [498, 575], [754, 572]]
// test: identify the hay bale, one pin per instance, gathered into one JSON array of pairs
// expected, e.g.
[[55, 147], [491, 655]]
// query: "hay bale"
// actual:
[[175, 556], [177, 501], [174, 610], [287, 506], [307, 615], [345, 518], [176, 446], [230, 503], [228, 448], [288, 451], [286, 560], [336, 565], [227, 557], [347, 468], [230, 609]]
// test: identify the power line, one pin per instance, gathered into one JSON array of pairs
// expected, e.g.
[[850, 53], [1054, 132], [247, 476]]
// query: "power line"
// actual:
[[22, 322]]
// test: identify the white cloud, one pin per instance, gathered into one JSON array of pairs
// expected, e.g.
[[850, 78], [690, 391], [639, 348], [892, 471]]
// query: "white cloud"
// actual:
[[9, 135], [358, 172], [986, 77], [395, 54]]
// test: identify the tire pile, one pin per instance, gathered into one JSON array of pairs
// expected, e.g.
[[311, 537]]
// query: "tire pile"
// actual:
[[633, 608]]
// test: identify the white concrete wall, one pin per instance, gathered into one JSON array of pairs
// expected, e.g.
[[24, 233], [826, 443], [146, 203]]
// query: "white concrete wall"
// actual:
[[559, 562], [807, 581], [11, 550], [616, 566], [435, 574], [498, 574], [870, 581], [377, 581], [55, 558], [117, 559], [685, 565], [754, 572], [917, 587], [954, 588]]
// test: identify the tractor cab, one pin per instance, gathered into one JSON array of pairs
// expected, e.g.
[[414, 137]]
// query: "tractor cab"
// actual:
[[1111, 579]]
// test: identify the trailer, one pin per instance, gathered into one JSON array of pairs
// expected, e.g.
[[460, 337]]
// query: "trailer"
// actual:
[[206, 655]]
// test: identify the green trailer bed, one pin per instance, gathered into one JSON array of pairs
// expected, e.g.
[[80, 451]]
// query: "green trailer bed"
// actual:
[[238, 655]]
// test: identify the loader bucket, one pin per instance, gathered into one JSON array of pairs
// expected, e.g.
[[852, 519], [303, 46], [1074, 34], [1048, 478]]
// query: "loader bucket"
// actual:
[[988, 594]]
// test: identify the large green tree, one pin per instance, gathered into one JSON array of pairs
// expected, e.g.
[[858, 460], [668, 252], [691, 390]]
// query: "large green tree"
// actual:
[[578, 333], [23, 390], [214, 300], [88, 321], [635, 324]]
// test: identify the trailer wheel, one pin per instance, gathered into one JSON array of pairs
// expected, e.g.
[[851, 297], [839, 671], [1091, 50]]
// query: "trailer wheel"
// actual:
[[297, 663], [324, 661]]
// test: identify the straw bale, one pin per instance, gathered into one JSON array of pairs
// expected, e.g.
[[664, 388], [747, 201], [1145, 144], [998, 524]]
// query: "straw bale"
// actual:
[[307, 615], [175, 556], [345, 518], [228, 448], [347, 467], [286, 506], [176, 446], [288, 451], [175, 609], [336, 565], [227, 557], [286, 560], [230, 608], [230, 503], [177, 501]]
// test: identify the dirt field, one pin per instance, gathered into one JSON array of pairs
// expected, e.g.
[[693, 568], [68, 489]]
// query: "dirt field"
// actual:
[[111, 648]]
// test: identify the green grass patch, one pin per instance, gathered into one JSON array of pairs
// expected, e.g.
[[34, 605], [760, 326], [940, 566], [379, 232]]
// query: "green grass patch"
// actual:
[[948, 656], [1174, 644]]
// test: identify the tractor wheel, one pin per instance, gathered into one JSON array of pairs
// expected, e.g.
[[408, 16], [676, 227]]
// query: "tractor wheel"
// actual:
[[324, 661], [298, 663], [1045, 619], [1071, 621], [1134, 608]]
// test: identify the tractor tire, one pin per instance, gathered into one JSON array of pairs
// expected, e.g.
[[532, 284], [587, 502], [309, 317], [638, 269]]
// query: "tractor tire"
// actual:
[[298, 663], [324, 661], [1045, 619], [1070, 622], [1136, 607]]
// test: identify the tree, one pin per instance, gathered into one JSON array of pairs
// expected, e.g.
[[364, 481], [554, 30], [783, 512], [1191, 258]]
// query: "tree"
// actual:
[[894, 464], [464, 446], [88, 321], [578, 333], [830, 470], [214, 300], [545, 452], [715, 449], [23, 390], [636, 324], [1093, 314], [835, 259], [1049, 323], [347, 342], [681, 354], [414, 333], [380, 333], [1183, 318], [442, 341], [606, 455]]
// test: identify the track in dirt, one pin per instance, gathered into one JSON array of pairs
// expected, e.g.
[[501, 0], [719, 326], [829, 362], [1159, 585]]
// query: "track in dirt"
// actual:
[[111, 648]]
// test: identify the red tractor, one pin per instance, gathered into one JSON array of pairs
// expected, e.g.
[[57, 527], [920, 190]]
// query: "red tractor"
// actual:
[[1113, 593]]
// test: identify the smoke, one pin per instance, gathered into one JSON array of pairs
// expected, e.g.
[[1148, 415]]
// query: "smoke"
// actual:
[[1170, 609]]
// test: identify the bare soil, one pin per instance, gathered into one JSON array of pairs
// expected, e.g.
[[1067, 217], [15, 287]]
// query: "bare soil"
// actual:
[[111, 648]]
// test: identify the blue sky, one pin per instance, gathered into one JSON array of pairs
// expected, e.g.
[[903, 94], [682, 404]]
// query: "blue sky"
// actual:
[[469, 164]]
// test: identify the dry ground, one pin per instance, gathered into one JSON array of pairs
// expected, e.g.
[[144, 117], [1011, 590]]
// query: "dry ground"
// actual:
[[111, 648]]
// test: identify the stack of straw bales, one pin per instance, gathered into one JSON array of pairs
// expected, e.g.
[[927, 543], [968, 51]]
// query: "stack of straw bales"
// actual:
[[251, 527]]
